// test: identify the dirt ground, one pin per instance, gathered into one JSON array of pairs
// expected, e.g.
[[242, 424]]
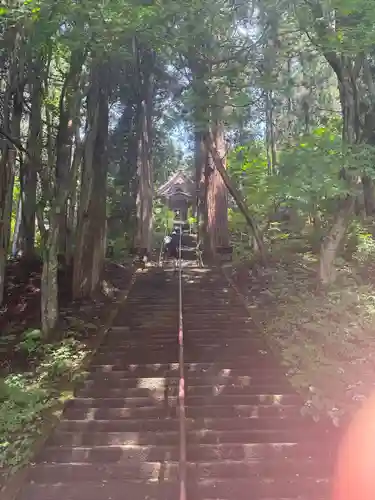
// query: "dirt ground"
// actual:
[[21, 308], [325, 337]]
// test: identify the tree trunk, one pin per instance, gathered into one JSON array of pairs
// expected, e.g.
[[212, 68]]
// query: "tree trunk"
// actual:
[[332, 241], [144, 201], [91, 231], [368, 195], [55, 241], [237, 197], [201, 157], [12, 114], [30, 168], [17, 227], [217, 197], [73, 199], [49, 285], [6, 195], [69, 103]]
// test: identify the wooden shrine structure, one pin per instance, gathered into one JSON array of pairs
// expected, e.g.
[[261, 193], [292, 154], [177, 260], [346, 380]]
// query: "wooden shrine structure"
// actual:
[[178, 193]]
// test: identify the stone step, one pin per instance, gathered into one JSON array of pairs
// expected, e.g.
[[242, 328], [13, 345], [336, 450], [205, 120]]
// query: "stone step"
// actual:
[[257, 412], [127, 379], [96, 425], [124, 455], [230, 469], [171, 438], [259, 489], [96, 490], [166, 424], [170, 388], [128, 454], [91, 414], [200, 338], [120, 402], [219, 400], [147, 471], [140, 370], [196, 342], [255, 359]]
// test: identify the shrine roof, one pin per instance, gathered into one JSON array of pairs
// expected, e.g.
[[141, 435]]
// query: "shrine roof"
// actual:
[[178, 184]]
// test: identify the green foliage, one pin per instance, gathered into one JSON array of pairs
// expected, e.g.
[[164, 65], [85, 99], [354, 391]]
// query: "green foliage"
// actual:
[[306, 186], [163, 218], [365, 251], [25, 397], [61, 360], [22, 402], [31, 342]]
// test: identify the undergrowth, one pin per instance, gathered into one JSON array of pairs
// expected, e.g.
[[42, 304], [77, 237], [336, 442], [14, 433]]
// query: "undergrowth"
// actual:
[[26, 397], [324, 338]]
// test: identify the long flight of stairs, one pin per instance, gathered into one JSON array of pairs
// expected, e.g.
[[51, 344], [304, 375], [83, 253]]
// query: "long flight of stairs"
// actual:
[[246, 438]]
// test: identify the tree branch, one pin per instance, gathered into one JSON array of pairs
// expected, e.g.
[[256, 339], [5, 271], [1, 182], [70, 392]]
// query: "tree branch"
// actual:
[[14, 142]]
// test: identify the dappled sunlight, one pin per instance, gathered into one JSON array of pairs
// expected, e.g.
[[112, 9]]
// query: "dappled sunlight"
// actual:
[[152, 383], [275, 399]]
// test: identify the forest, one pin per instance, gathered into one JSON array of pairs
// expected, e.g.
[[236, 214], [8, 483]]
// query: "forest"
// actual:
[[101, 101]]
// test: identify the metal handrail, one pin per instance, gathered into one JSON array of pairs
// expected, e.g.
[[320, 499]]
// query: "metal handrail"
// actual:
[[181, 388]]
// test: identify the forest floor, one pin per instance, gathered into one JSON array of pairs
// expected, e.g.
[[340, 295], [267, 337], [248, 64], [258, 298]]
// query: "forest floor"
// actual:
[[325, 338], [36, 377]]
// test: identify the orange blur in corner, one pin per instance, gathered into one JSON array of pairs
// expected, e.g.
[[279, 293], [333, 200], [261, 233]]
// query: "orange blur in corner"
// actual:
[[354, 477]]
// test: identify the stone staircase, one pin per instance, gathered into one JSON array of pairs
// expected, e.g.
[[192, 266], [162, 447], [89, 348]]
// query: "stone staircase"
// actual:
[[246, 438]]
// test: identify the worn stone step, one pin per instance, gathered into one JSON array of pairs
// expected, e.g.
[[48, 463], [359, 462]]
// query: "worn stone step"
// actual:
[[256, 359], [258, 469], [253, 399], [257, 387], [106, 438], [118, 425], [119, 402], [244, 436], [170, 438], [115, 380], [89, 413], [166, 424], [96, 490], [136, 348], [257, 411], [122, 455], [206, 321], [157, 413], [259, 489], [231, 469], [109, 391], [259, 451], [148, 471], [196, 338], [139, 370], [139, 356], [219, 400], [142, 387], [121, 378], [222, 369], [148, 326]]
